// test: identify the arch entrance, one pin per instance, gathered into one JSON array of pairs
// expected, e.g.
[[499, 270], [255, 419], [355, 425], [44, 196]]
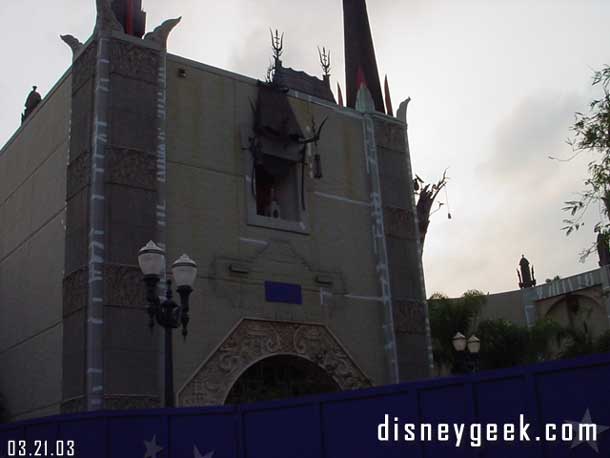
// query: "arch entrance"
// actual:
[[280, 377]]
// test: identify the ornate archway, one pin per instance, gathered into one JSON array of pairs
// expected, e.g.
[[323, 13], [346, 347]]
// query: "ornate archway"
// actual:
[[280, 377], [252, 341]]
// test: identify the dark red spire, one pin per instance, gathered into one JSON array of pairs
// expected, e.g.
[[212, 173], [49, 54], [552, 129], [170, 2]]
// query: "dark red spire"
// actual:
[[340, 95], [388, 98], [130, 15], [360, 61]]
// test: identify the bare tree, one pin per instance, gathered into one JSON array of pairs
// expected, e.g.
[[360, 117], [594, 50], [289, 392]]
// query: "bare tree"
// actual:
[[427, 194]]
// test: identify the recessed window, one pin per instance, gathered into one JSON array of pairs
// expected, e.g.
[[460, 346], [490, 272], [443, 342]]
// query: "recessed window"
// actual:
[[276, 189]]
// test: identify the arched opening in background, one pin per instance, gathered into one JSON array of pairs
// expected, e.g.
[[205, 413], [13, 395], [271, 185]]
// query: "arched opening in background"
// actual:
[[280, 377]]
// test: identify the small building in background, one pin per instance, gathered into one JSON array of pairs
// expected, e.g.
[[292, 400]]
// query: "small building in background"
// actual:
[[580, 302]]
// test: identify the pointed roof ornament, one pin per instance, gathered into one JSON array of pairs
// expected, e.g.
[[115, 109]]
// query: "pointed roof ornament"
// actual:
[[402, 110], [388, 98], [106, 20], [129, 13], [365, 102], [360, 61], [161, 33]]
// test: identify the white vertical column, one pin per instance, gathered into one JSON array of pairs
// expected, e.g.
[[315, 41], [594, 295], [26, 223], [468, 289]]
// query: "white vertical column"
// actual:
[[402, 115], [380, 246], [96, 253], [161, 209]]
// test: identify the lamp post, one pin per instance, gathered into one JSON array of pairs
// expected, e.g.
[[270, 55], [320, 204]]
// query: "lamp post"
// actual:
[[167, 314], [467, 354]]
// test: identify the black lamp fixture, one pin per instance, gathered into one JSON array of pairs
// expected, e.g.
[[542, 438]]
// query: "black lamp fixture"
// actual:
[[167, 314], [467, 354]]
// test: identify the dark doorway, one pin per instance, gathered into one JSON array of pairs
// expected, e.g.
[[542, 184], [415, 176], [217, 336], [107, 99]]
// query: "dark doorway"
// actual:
[[280, 377]]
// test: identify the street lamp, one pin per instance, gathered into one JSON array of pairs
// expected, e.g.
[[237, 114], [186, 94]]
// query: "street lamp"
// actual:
[[168, 314], [459, 342], [467, 354]]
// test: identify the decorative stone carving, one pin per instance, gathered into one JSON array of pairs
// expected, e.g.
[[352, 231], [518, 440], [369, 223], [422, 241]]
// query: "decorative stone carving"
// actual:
[[390, 134], [106, 19], [133, 61], [398, 223], [83, 68], [161, 33], [254, 340], [113, 402], [79, 174], [409, 317], [131, 168], [130, 402], [402, 110], [122, 286], [75, 290], [74, 43]]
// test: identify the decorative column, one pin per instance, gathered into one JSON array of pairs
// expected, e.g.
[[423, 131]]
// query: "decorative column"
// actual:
[[116, 176], [396, 244]]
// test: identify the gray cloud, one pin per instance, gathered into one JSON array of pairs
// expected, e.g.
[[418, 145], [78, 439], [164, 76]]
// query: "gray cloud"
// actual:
[[536, 128], [515, 204]]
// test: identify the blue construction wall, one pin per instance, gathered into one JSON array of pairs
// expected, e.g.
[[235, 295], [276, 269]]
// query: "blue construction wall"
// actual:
[[345, 425]]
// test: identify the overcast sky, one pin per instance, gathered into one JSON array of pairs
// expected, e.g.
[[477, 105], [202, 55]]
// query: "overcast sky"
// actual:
[[494, 87]]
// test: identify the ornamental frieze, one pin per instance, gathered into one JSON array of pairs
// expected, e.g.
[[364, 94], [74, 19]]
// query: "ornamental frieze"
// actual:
[[254, 340], [409, 317]]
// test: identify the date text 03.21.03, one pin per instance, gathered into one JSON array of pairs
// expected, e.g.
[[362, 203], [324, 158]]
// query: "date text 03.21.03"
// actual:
[[40, 448]]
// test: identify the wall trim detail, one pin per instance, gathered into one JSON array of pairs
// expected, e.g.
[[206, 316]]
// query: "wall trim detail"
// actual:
[[251, 341]]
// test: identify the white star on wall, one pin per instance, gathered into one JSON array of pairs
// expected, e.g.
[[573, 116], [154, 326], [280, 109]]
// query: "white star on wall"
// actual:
[[197, 454], [586, 420], [152, 448]]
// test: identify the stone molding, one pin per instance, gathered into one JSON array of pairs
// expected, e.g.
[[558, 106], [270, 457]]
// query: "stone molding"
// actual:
[[83, 68], [131, 167], [409, 317], [113, 402], [130, 401], [399, 223], [79, 174], [75, 291], [123, 286], [254, 340], [134, 61]]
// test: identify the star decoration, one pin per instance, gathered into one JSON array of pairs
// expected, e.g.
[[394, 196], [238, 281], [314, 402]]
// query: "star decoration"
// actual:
[[586, 420], [197, 454], [152, 448]]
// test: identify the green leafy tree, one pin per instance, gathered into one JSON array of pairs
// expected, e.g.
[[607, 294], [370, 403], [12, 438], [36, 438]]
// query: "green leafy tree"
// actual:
[[603, 343], [449, 316], [592, 134], [580, 342], [544, 339], [506, 344], [503, 344]]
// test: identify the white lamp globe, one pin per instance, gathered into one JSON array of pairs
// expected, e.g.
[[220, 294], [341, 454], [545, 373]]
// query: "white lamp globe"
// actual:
[[184, 271], [474, 345], [151, 259], [459, 342]]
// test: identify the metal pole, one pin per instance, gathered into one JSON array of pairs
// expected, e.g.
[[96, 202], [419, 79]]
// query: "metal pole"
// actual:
[[169, 369]]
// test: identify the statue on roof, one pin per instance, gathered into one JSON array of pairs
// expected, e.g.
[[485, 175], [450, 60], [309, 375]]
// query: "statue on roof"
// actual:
[[31, 103], [526, 274]]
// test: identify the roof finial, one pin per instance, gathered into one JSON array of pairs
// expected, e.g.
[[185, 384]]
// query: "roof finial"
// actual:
[[325, 62], [277, 43], [388, 98], [360, 54]]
